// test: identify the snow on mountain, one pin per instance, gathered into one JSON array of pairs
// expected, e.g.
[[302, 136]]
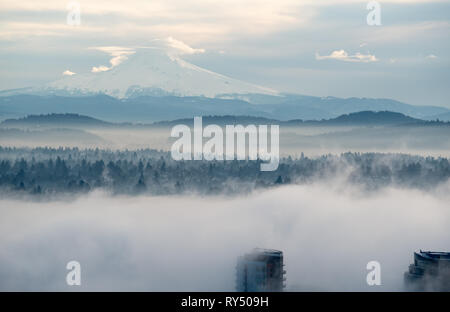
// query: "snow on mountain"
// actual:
[[153, 71]]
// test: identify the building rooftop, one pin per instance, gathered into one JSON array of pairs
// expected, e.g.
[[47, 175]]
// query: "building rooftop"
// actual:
[[435, 255]]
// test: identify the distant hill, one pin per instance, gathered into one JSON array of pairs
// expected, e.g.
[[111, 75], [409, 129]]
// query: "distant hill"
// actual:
[[368, 131], [146, 109], [221, 120], [310, 107], [441, 117], [44, 137], [55, 120], [374, 118], [365, 118]]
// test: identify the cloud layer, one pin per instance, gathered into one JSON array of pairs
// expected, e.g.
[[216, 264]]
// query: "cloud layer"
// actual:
[[119, 54], [328, 233]]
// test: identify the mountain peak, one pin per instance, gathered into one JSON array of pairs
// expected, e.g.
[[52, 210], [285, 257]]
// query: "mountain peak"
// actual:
[[153, 71]]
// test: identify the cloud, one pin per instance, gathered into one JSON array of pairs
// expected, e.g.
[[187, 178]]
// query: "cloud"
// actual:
[[100, 68], [181, 47], [328, 233], [68, 73], [196, 19], [341, 55], [119, 54], [431, 57], [199, 21]]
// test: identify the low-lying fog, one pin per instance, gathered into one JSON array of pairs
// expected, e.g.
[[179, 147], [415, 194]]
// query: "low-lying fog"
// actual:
[[328, 234], [312, 141]]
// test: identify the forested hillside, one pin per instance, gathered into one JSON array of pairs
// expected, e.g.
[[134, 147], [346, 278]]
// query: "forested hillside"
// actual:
[[45, 171]]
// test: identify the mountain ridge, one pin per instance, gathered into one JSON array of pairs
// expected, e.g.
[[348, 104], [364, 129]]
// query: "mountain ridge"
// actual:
[[363, 118], [153, 108]]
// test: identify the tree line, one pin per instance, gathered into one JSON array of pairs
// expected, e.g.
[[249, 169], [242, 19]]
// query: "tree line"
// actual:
[[48, 171]]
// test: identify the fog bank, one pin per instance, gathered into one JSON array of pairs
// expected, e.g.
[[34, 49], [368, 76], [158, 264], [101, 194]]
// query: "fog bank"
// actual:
[[328, 233]]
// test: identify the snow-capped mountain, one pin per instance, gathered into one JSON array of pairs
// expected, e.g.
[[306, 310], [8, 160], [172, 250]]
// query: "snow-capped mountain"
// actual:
[[154, 72], [167, 79]]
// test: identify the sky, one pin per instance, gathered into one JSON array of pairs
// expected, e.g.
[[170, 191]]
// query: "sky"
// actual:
[[312, 47]]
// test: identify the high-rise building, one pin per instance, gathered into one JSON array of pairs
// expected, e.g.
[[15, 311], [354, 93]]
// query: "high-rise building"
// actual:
[[260, 270], [429, 272]]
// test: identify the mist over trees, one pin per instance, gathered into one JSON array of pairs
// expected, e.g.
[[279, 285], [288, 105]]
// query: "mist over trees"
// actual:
[[47, 171]]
